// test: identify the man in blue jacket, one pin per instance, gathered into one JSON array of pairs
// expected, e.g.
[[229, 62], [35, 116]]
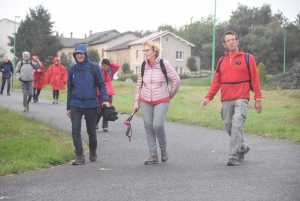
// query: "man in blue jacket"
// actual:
[[7, 70], [83, 78]]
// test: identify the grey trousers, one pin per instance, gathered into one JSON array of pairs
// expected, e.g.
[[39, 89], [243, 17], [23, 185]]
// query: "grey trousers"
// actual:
[[234, 113], [27, 90], [154, 121]]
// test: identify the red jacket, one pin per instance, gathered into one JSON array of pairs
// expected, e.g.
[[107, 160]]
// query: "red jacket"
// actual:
[[107, 77], [58, 75], [232, 78], [38, 77]]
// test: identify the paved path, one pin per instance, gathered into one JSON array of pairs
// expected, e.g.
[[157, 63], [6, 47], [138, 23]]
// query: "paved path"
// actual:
[[196, 169]]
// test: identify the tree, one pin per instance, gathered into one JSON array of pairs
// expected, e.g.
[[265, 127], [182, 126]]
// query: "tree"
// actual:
[[262, 74], [94, 55], [191, 64], [296, 82], [64, 60], [2, 52], [35, 35], [126, 68], [165, 27]]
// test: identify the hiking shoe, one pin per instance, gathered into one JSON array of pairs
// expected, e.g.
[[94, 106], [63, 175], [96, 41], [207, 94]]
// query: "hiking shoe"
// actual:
[[242, 154], [56, 101], [8, 94], [27, 107], [79, 160], [151, 160], [53, 101], [232, 162], [24, 109], [164, 156], [93, 155], [34, 100], [105, 129]]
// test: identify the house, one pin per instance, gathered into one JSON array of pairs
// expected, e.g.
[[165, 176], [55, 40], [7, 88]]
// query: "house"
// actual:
[[100, 41], [173, 48], [8, 28]]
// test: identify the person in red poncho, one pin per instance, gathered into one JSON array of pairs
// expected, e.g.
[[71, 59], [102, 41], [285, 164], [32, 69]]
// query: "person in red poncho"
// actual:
[[58, 76], [38, 79], [108, 70]]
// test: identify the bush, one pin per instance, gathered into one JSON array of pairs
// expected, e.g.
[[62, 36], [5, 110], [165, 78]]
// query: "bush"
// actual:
[[125, 76], [262, 74], [126, 68], [183, 76]]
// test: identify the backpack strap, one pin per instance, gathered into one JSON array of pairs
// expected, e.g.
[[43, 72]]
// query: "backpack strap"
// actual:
[[247, 60], [23, 63], [218, 67], [162, 67]]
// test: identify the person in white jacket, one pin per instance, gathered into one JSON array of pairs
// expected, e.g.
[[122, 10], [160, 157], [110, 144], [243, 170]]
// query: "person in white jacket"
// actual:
[[152, 95]]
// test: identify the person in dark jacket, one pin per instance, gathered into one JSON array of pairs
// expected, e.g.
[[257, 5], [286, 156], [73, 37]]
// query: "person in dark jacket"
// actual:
[[83, 78], [7, 70]]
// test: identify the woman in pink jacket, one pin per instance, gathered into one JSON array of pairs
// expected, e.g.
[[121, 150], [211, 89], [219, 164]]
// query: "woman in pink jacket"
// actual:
[[108, 70], [152, 95]]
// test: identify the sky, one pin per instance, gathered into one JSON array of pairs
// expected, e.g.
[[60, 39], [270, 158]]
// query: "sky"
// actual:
[[81, 17]]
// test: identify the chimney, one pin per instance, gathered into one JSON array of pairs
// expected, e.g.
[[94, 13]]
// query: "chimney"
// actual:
[[71, 34], [90, 32], [85, 35]]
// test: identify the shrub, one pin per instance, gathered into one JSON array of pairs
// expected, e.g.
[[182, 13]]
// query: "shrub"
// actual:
[[262, 74], [125, 76], [126, 68]]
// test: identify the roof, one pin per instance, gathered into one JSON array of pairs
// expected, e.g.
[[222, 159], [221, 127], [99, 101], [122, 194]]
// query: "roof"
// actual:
[[10, 21], [109, 37], [120, 46], [157, 35]]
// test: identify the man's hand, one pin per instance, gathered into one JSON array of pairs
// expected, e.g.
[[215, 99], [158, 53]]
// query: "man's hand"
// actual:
[[136, 109], [69, 113], [258, 106], [205, 102], [106, 103]]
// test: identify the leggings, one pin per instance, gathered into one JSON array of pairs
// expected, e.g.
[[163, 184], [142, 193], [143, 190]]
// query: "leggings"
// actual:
[[55, 94]]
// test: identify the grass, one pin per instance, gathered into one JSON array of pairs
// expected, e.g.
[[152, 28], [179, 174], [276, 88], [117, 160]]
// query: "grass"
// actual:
[[42, 146]]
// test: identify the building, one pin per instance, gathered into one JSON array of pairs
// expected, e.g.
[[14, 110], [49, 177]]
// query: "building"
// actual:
[[7, 28]]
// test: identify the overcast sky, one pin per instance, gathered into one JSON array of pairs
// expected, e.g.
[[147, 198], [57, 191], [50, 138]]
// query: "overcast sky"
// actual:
[[82, 16]]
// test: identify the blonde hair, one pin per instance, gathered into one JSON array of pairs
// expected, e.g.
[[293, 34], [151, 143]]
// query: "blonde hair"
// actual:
[[154, 45]]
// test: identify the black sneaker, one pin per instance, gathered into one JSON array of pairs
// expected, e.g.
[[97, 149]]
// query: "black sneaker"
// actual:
[[93, 155], [232, 162], [79, 160], [242, 154], [151, 160]]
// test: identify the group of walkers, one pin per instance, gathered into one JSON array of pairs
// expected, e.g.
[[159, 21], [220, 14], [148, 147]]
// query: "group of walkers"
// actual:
[[89, 86]]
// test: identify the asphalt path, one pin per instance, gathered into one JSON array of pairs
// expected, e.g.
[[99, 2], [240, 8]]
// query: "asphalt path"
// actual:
[[196, 169]]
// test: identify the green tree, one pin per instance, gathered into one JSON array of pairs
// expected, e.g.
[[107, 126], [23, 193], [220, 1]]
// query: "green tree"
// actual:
[[262, 73], [296, 82], [94, 55], [191, 64], [36, 36], [126, 68], [64, 60], [2, 53], [165, 27]]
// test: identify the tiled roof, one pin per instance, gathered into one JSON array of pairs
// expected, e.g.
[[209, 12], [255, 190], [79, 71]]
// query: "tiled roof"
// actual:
[[109, 37], [120, 47]]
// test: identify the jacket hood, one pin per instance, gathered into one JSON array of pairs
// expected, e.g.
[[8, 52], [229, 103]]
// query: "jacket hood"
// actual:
[[23, 54], [81, 48], [36, 57], [56, 59]]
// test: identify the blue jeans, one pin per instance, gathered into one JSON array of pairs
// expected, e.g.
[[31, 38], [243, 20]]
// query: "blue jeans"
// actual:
[[90, 119], [3, 84]]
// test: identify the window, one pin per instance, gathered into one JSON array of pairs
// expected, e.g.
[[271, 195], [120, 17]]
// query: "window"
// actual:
[[177, 69], [167, 39], [181, 70], [179, 55], [137, 54], [102, 52]]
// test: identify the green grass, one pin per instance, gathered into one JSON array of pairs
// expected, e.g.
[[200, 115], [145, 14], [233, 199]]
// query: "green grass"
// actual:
[[28, 145]]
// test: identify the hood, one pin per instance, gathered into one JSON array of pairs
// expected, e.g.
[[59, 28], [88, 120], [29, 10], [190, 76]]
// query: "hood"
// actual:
[[81, 48], [56, 59], [23, 54], [36, 57]]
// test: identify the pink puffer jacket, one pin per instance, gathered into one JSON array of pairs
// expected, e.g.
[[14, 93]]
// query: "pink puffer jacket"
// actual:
[[155, 85]]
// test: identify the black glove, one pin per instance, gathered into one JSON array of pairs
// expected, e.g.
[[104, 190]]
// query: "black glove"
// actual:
[[108, 112]]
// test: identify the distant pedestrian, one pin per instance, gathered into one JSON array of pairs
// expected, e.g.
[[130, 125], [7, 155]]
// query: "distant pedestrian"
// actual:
[[108, 70], [57, 78], [153, 96], [24, 72], [236, 77], [38, 81], [7, 70], [83, 79]]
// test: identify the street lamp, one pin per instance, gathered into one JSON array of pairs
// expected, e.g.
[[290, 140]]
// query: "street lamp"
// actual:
[[12, 80], [213, 46], [284, 47]]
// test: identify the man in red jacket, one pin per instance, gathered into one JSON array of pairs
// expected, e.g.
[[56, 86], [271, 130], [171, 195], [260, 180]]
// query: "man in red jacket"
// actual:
[[236, 77]]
